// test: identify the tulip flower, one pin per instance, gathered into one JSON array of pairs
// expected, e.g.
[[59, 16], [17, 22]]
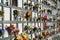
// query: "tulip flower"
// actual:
[[46, 16], [40, 37], [15, 32], [44, 25], [10, 29], [47, 33]]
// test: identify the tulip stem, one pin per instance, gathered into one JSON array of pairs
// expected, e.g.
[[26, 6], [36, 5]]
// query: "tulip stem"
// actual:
[[15, 36]]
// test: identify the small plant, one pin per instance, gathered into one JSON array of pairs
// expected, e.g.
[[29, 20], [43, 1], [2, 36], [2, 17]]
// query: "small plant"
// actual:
[[10, 29], [1, 13], [30, 4], [49, 11], [36, 6], [15, 13], [25, 4], [22, 36], [38, 18], [15, 32], [26, 27], [47, 33], [44, 25], [43, 34], [28, 15], [35, 28]]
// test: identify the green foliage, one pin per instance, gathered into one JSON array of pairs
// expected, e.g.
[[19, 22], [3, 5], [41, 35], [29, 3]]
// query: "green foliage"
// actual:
[[1, 13], [15, 12], [25, 4], [30, 5], [43, 33]]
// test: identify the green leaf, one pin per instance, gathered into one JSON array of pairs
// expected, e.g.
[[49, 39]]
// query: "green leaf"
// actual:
[[1, 13], [15, 12]]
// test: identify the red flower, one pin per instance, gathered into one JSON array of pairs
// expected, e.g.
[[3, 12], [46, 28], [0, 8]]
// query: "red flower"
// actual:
[[45, 16], [47, 33], [44, 25], [36, 36], [15, 31], [12, 27]]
